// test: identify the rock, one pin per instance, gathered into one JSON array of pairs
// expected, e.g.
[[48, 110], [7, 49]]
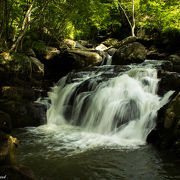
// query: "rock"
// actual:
[[5, 122], [79, 46], [169, 81], [69, 60], [8, 149], [9, 169], [67, 44], [131, 53], [17, 93], [37, 68], [85, 58], [172, 114], [111, 51], [176, 68], [110, 42], [101, 47], [168, 125], [24, 113], [50, 52], [156, 55], [85, 43], [126, 41], [175, 59]]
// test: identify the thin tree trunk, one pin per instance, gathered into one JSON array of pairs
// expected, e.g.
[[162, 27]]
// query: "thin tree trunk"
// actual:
[[27, 15], [134, 22]]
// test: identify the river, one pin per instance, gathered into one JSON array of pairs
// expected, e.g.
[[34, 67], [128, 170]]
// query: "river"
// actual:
[[97, 124]]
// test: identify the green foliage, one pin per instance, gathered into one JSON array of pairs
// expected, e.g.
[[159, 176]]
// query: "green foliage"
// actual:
[[82, 19]]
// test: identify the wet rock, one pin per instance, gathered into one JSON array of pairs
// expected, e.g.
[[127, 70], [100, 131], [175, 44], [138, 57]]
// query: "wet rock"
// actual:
[[156, 55], [101, 47], [111, 51], [168, 126], [169, 81], [24, 113], [175, 59], [131, 53]]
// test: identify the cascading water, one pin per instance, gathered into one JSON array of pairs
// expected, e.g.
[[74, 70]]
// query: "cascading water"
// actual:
[[97, 121], [122, 108]]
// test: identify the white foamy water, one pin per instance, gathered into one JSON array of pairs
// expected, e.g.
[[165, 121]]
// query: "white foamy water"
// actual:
[[119, 112]]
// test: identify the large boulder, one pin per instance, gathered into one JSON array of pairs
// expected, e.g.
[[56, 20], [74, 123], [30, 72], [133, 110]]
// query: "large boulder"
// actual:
[[175, 59], [168, 81], [155, 55], [130, 53], [69, 60], [24, 113], [168, 126], [117, 44], [84, 58]]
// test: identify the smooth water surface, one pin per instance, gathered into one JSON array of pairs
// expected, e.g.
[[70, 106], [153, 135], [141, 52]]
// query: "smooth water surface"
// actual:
[[55, 153]]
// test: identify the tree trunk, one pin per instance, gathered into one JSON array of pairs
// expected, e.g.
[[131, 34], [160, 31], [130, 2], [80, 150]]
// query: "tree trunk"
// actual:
[[132, 24], [133, 17], [26, 18]]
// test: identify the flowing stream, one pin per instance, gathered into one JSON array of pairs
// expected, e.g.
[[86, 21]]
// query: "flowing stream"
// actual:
[[98, 122]]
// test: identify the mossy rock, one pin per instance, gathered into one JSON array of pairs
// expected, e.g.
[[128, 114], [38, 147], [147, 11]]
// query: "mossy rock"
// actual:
[[172, 115], [8, 149]]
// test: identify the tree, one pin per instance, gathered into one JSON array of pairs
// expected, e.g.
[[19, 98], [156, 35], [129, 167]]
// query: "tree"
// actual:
[[27, 22], [121, 5]]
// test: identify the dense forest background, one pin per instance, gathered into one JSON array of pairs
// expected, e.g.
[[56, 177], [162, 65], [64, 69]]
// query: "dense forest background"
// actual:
[[36, 23]]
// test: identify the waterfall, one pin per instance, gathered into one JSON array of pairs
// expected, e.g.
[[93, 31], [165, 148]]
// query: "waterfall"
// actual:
[[124, 106]]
